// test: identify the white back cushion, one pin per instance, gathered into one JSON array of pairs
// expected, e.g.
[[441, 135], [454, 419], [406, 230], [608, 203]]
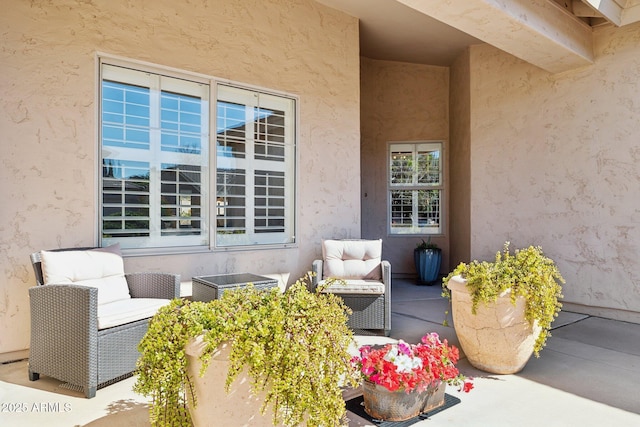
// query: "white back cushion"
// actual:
[[352, 259], [100, 268]]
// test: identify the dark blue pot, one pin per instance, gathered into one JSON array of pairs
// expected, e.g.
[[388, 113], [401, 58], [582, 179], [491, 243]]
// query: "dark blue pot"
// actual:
[[427, 263]]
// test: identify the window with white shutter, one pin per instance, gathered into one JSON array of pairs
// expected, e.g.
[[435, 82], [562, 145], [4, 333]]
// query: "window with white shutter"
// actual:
[[155, 161], [415, 188]]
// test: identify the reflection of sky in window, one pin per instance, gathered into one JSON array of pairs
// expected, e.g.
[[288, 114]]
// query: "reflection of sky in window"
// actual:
[[231, 115], [125, 114]]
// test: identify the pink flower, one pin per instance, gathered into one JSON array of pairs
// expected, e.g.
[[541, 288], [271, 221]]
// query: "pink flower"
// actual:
[[408, 367]]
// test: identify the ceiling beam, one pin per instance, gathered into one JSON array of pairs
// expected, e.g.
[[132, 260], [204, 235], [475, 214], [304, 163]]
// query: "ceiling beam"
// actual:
[[537, 31], [608, 8], [584, 11]]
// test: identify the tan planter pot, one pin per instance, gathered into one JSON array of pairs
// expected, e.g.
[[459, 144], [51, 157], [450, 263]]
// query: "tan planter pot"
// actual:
[[238, 408], [498, 338]]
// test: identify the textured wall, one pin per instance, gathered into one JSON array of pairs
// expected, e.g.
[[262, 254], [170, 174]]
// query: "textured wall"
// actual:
[[400, 102], [460, 162], [48, 120], [555, 161]]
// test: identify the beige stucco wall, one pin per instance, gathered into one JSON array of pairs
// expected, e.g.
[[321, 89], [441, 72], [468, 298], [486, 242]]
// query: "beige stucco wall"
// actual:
[[555, 161], [400, 102], [48, 120], [460, 162]]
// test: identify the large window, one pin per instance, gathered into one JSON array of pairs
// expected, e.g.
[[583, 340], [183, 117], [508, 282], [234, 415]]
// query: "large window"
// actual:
[[157, 187], [415, 188]]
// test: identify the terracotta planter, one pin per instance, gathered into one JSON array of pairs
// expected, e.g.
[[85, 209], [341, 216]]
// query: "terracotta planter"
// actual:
[[382, 404], [238, 408], [498, 338]]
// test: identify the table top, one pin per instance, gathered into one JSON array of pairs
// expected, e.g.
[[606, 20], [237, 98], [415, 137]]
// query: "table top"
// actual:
[[234, 279]]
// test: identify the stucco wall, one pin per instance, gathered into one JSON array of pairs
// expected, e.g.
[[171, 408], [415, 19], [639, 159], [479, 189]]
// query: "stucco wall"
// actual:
[[556, 162], [48, 120], [400, 102], [460, 162]]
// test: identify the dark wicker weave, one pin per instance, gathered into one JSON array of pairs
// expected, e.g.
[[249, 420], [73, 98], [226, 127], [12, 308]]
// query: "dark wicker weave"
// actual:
[[370, 311], [65, 341], [207, 288]]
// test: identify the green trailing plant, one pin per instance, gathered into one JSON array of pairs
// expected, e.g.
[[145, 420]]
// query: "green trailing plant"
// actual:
[[294, 345], [527, 273]]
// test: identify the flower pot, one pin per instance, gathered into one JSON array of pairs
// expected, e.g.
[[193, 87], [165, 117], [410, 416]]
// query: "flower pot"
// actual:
[[498, 338], [382, 404], [427, 262], [238, 408]]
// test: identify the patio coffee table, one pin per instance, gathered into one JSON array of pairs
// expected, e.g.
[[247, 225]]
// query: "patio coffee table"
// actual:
[[207, 288]]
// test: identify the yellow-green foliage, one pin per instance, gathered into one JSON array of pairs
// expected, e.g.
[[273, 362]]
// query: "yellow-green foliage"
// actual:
[[294, 345], [527, 273]]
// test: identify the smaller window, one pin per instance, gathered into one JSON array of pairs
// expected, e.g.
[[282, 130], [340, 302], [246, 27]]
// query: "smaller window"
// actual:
[[415, 188]]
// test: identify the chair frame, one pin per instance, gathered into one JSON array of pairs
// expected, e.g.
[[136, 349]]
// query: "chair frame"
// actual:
[[65, 341], [369, 311]]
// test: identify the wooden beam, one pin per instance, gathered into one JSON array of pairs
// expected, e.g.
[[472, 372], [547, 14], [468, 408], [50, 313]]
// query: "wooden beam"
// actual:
[[537, 31], [608, 8], [583, 11]]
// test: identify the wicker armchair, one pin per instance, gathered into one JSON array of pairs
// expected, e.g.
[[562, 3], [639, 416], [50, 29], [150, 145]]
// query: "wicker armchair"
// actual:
[[367, 281], [66, 342]]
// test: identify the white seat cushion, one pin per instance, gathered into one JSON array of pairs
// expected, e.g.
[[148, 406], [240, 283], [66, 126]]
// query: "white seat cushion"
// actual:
[[352, 259], [100, 268], [129, 310], [355, 286]]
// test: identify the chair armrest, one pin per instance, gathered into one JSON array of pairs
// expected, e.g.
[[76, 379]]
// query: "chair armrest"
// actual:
[[316, 268], [153, 285], [64, 328], [386, 274]]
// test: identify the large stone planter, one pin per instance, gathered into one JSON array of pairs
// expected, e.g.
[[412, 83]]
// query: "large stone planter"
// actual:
[[498, 338], [238, 408]]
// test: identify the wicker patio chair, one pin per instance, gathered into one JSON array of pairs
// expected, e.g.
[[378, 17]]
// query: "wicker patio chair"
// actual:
[[367, 281], [66, 341]]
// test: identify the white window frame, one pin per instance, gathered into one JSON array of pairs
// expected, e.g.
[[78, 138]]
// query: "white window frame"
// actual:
[[412, 185], [208, 240]]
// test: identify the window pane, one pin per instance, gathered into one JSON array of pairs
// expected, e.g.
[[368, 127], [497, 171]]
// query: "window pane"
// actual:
[[269, 134], [230, 201], [428, 208], [401, 209], [181, 200], [401, 168], [154, 189], [125, 198], [125, 115], [428, 167], [231, 130], [270, 185], [180, 120]]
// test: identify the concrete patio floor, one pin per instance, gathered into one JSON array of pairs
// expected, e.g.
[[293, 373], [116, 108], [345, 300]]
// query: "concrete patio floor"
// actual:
[[586, 376]]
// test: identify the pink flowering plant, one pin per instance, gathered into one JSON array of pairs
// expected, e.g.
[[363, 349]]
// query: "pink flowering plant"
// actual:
[[409, 367]]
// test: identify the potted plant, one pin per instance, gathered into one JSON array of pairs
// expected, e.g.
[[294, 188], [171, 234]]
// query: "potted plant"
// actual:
[[427, 257], [292, 346], [402, 380], [503, 310]]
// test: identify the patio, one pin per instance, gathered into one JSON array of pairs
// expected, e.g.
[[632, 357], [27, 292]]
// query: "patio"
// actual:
[[583, 377]]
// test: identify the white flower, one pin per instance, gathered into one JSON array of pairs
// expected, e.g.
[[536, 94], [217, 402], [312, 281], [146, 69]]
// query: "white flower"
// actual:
[[403, 362]]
